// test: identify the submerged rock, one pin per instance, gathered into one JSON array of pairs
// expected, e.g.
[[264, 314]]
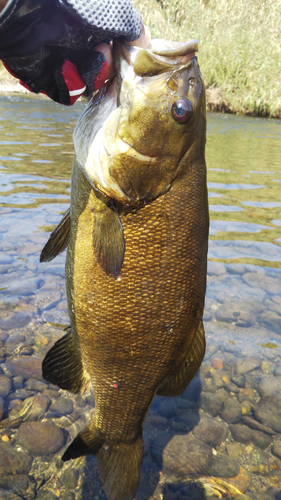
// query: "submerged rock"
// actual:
[[41, 438], [268, 385], [62, 405], [211, 431], [268, 411], [223, 466], [14, 320], [26, 366], [231, 411], [238, 312], [34, 406], [181, 455], [22, 485], [5, 386], [247, 365], [210, 403], [13, 462], [244, 434], [2, 404]]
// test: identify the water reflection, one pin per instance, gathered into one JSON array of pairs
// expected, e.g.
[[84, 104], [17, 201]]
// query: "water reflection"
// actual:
[[221, 437]]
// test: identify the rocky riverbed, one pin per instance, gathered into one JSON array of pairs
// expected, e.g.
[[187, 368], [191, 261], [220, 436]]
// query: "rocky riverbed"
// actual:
[[220, 439]]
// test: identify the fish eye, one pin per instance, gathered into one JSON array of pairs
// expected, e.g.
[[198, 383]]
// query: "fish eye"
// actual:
[[182, 110]]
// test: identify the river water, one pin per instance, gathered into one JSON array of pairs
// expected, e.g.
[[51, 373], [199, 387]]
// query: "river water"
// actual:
[[222, 437]]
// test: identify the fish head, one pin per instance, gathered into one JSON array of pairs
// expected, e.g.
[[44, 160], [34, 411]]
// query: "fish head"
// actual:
[[156, 127], [162, 102]]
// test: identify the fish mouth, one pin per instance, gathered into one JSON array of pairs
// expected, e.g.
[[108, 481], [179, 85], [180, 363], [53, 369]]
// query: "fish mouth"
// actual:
[[164, 48]]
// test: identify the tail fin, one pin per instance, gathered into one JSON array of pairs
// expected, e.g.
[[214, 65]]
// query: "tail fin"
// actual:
[[120, 466], [119, 463]]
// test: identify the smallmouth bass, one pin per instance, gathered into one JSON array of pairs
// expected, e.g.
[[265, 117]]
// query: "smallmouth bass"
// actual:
[[137, 235]]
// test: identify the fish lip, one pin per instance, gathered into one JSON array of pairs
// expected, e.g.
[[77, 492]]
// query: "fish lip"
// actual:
[[176, 49]]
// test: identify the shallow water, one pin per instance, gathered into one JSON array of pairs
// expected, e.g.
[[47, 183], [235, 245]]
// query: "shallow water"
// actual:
[[222, 437]]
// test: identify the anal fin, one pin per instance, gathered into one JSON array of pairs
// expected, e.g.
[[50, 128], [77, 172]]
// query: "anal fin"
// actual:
[[176, 383], [62, 366], [109, 241], [58, 239]]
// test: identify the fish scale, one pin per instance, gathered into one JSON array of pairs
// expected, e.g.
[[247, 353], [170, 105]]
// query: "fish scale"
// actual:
[[121, 316]]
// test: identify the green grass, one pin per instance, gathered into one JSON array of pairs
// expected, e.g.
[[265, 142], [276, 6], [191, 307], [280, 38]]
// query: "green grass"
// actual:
[[239, 48]]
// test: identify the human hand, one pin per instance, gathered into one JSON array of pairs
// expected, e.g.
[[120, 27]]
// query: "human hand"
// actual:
[[144, 39]]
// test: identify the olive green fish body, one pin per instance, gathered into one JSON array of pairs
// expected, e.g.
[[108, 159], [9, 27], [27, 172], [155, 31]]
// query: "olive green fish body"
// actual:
[[137, 237], [135, 330]]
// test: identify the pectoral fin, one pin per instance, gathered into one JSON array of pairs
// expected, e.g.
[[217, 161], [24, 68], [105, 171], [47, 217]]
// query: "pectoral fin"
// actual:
[[177, 382], [62, 366], [109, 241], [58, 240]]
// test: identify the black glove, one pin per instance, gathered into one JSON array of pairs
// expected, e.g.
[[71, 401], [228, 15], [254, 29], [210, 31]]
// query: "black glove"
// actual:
[[48, 44]]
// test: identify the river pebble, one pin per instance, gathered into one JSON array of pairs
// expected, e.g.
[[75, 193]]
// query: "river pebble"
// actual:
[[33, 384], [41, 438], [276, 447], [223, 466], [34, 406], [231, 411], [13, 341], [156, 421], [212, 431], [210, 403], [247, 364], [12, 461], [271, 320], [8, 495], [46, 495], [69, 478], [23, 287], [273, 304], [13, 320], [194, 389], [244, 434], [237, 312], [2, 406], [46, 300], [5, 386], [26, 366], [62, 405], [270, 285], [22, 485], [181, 455], [268, 385], [268, 411]]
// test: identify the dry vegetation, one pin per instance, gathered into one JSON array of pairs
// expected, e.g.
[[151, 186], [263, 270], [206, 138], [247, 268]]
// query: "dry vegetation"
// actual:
[[239, 48]]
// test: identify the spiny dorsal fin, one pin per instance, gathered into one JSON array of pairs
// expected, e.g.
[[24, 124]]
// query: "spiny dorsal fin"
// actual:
[[58, 240], [109, 241], [62, 366]]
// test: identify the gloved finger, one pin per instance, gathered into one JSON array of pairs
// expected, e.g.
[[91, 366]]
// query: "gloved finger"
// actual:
[[74, 82]]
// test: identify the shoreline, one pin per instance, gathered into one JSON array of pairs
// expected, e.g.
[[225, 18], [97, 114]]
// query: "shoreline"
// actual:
[[215, 100]]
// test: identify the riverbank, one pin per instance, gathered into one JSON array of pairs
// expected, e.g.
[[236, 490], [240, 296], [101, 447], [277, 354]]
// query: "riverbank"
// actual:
[[216, 101], [239, 49]]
